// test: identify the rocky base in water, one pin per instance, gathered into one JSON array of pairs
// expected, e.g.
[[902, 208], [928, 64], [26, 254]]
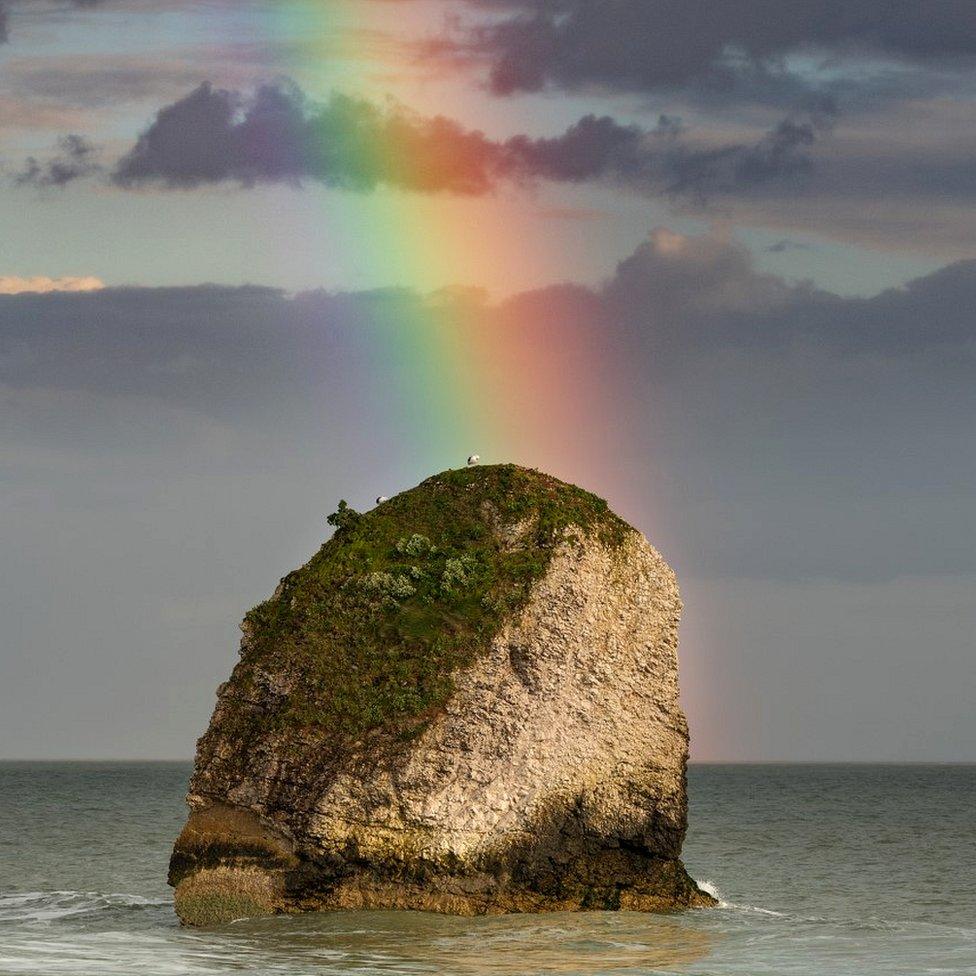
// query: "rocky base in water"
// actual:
[[466, 702]]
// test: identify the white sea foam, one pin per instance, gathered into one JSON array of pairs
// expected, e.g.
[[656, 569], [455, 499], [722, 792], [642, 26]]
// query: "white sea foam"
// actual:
[[46, 906], [710, 888], [758, 911]]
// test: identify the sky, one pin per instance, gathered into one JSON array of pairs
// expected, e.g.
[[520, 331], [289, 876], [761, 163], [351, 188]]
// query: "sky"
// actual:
[[714, 261]]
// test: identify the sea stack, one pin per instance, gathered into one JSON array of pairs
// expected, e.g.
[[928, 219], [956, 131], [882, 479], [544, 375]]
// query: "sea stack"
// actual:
[[465, 702]]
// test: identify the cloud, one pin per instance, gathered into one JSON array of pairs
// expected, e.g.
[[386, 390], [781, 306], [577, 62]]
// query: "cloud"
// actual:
[[5, 12], [783, 431], [75, 159], [161, 444], [681, 298], [278, 135], [899, 181], [93, 81], [780, 153], [40, 284], [803, 433], [646, 45], [674, 296]]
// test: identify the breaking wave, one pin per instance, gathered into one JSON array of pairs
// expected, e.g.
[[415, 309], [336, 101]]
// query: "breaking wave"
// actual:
[[710, 888], [48, 906]]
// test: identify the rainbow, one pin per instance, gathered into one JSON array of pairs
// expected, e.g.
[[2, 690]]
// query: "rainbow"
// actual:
[[456, 371]]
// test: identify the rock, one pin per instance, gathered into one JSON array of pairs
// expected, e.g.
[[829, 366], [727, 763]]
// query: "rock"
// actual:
[[465, 702]]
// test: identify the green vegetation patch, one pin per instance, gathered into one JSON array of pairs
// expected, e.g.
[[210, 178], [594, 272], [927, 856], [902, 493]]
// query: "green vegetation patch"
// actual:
[[375, 625]]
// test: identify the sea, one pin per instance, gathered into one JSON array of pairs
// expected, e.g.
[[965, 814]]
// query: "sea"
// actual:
[[824, 870]]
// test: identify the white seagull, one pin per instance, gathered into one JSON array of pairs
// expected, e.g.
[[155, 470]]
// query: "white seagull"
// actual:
[[380, 499], [474, 459]]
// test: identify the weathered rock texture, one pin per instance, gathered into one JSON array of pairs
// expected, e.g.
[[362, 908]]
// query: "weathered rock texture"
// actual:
[[547, 773]]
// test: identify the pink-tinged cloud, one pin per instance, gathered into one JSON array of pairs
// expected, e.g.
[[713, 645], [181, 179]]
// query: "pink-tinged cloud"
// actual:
[[41, 284]]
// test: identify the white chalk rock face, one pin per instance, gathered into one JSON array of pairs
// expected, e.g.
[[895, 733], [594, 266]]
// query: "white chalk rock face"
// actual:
[[541, 764]]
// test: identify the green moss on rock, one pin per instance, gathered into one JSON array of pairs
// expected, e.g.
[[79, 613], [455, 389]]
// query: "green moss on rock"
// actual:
[[374, 626], [220, 895]]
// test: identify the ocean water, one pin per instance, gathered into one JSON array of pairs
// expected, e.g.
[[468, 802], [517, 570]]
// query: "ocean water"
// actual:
[[825, 870]]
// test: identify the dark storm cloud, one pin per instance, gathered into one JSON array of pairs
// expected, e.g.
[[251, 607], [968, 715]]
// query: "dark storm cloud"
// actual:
[[674, 296], [706, 294], [660, 160], [682, 298], [780, 153], [169, 453], [642, 45], [278, 135], [75, 159], [165, 342], [804, 433]]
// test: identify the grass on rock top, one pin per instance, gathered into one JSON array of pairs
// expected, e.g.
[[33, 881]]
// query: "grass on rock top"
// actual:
[[374, 626]]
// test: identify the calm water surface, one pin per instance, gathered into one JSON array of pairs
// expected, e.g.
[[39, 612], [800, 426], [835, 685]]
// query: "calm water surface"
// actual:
[[826, 870]]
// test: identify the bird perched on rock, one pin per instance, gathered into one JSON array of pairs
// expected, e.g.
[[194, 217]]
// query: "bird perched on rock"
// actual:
[[474, 459], [380, 499]]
